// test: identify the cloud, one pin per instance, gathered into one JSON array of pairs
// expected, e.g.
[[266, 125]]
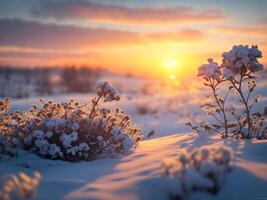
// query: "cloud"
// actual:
[[21, 53], [245, 30], [81, 9], [16, 32], [31, 34], [185, 35]]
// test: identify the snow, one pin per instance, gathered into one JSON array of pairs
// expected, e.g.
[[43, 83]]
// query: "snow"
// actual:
[[104, 88], [75, 126], [135, 176], [210, 70], [68, 139], [140, 174], [239, 57]]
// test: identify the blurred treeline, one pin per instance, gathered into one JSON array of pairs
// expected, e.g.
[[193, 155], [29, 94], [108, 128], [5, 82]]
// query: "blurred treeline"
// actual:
[[24, 82]]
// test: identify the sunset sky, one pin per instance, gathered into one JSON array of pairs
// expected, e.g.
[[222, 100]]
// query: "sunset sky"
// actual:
[[155, 38]]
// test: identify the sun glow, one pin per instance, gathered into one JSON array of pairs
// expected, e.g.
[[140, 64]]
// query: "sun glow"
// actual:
[[171, 64], [172, 77]]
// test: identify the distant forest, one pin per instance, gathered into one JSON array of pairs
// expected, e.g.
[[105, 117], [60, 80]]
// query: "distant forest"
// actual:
[[24, 82]]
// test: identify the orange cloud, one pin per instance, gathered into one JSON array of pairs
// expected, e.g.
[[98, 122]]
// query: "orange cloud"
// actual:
[[185, 35], [81, 9], [244, 30], [30, 34]]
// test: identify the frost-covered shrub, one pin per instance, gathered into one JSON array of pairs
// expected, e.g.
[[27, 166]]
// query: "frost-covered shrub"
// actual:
[[235, 77], [239, 66], [5, 136], [72, 131], [204, 170], [19, 186]]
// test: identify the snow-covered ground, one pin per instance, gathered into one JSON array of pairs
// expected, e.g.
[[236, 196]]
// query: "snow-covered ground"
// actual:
[[160, 107], [139, 175]]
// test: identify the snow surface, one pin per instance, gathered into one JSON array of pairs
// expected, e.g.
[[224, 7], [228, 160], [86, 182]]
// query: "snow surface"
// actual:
[[139, 174]]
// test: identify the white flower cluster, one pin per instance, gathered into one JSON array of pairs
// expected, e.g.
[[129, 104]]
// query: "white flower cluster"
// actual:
[[123, 143], [105, 89], [68, 139], [80, 149], [80, 137], [210, 70], [20, 187], [44, 147], [240, 59], [202, 170]]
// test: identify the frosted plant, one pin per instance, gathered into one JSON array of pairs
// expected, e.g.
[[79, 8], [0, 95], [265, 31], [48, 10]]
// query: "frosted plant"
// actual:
[[72, 131], [204, 169], [212, 74], [241, 60], [210, 70], [107, 91], [6, 144], [238, 67], [4, 105], [20, 186]]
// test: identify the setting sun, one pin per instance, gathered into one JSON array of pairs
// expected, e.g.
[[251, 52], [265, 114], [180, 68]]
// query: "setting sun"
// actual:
[[172, 77], [171, 64]]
